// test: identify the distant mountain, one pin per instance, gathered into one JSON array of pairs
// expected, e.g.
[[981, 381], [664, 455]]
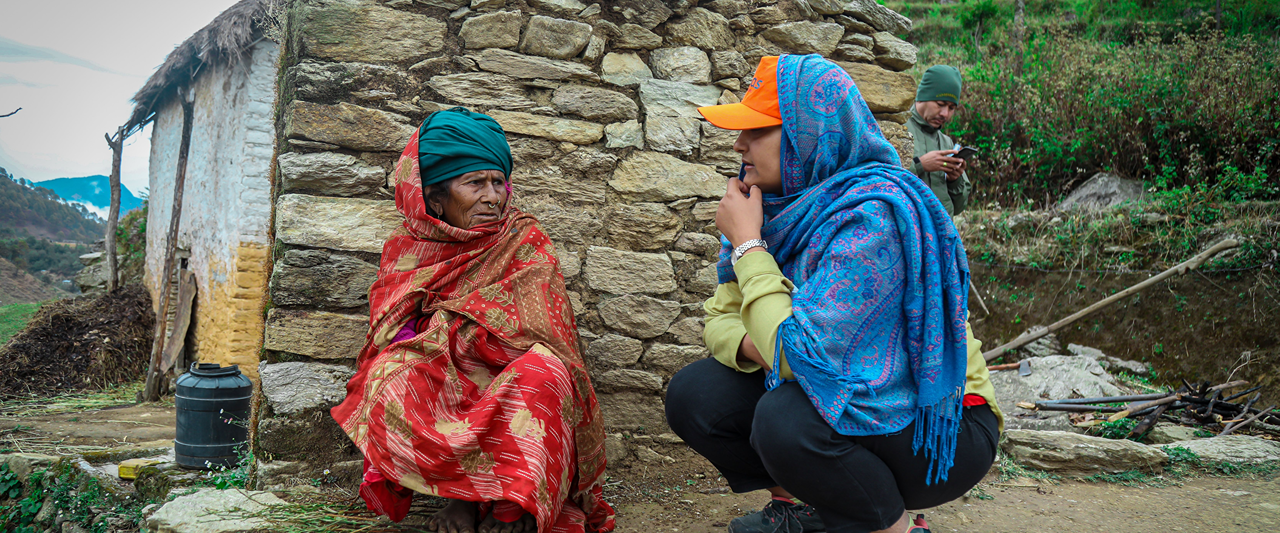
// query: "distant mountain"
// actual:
[[92, 190], [28, 208]]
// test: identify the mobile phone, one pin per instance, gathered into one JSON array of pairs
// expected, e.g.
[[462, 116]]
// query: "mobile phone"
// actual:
[[967, 152]]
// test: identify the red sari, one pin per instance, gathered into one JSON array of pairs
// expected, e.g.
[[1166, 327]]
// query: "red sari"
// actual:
[[485, 397]]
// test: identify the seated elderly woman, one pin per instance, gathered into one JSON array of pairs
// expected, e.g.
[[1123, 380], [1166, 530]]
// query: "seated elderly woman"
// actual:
[[470, 385], [843, 277]]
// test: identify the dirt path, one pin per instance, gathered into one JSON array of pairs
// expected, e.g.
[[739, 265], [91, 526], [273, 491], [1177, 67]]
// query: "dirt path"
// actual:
[[105, 427]]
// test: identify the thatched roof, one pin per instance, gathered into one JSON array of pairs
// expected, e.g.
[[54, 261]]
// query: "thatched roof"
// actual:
[[227, 38]]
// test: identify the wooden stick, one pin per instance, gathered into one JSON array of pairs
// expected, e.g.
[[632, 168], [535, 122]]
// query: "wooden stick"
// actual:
[[1228, 385], [113, 216], [1234, 427], [1107, 399], [1183, 268], [151, 391], [1142, 406], [1007, 366], [974, 289]]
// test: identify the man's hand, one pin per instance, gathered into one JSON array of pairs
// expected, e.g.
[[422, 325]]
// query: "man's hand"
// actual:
[[944, 161], [739, 216]]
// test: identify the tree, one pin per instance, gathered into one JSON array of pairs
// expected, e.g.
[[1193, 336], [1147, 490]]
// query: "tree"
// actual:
[[113, 216]]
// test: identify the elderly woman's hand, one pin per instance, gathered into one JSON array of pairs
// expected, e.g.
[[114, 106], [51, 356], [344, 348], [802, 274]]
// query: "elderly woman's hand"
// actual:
[[740, 216]]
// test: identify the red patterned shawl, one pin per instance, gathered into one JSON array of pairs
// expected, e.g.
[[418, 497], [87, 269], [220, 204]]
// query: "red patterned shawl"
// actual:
[[489, 400]]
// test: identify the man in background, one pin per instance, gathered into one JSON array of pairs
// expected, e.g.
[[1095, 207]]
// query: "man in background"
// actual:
[[935, 161]]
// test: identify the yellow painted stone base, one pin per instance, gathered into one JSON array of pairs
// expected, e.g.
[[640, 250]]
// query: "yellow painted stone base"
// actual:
[[229, 318]]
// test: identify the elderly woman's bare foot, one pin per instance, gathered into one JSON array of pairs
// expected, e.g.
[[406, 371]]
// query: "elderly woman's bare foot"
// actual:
[[526, 524], [457, 517]]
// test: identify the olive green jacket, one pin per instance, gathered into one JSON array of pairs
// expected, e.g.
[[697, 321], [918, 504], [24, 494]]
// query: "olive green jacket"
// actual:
[[954, 194]]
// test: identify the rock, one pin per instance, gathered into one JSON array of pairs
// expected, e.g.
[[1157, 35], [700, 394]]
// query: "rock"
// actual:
[[591, 103], [554, 38], [855, 26], [654, 177], [675, 99], [705, 211], [638, 316], [634, 37], [482, 89], [350, 224], [646, 13], [687, 330], [576, 225], [893, 52], [1112, 364], [89, 259], [595, 47], [22, 464], [717, 149], [317, 334], [615, 450], [633, 411], [684, 64], [805, 37], [670, 358], [1166, 433], [329, 174], [495, 30], [1079, 455], [1102, 191], [729, 64], [884, 91], [299, 144], [626, 379], [901, 139], [621, 272], [854, 53], [1240, 449], [865, 41], [348, 126], [624, 69], [1043, 347], [92, 278], [702, 28], [729, 8], [556, 129], [570, 263], [827, 7], [672, 134], [1052, 378], [565, 6], [743, 24], [646, 455], [698, 243], [528, 67], [614, 350], [896, 118], [214, 511], [316, 278], [325, 81], [550, 180], [879, 17], [352, 30], [487, 4], [704, 281], [624, 134], [590, 162], [296, 387], [642, 226]]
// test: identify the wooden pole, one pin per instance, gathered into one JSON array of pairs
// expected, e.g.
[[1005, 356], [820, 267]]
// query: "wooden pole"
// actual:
[[151, 391], [1183, 268], [113, 217]]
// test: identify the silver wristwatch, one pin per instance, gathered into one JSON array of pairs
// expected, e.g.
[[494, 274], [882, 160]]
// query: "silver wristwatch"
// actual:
[[742, 249]]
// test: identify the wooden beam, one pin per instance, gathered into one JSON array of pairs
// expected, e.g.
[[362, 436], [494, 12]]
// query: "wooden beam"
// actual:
[[113, 216]]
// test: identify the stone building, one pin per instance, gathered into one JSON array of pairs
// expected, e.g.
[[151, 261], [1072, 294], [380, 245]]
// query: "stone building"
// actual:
[[599, 104]]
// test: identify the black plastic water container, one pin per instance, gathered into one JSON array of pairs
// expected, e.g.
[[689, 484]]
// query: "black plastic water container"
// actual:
[[212, 404]]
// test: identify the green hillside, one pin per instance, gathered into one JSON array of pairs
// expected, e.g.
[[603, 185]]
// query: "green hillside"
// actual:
[[26, 208]]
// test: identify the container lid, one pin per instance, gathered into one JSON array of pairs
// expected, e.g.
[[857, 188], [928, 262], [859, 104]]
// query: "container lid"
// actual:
[[214, 370]]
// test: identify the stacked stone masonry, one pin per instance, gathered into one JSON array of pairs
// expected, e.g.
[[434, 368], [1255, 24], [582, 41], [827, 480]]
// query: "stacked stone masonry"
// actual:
[[599, 104]]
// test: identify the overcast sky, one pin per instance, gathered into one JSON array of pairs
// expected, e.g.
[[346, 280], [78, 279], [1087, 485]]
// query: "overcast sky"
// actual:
[[72, 67]]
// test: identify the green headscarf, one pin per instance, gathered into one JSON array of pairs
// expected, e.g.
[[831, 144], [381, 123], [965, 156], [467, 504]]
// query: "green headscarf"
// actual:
[[455, 141], [939, 83]]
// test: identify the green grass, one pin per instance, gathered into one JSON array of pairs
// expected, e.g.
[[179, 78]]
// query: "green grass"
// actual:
[[13, 318]]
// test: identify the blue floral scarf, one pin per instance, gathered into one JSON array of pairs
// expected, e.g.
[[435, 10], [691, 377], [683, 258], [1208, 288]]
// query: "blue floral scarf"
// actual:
[[877, 332]]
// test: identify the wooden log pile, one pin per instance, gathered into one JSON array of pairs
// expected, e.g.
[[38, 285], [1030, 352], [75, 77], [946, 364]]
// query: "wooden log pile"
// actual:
[[1206, 406]]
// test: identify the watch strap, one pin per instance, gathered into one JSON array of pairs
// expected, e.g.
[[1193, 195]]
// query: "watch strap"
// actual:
[[742, 249]]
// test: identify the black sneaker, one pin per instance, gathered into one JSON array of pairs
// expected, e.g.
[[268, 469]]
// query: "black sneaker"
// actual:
[[779, 517]]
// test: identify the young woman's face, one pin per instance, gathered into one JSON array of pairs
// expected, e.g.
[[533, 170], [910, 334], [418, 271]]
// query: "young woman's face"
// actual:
[[472, 199], [761, 158]]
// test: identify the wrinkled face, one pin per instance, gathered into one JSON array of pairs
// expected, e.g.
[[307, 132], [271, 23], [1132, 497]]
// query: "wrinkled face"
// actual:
[[937, 114], [761, 158], [471, 199]]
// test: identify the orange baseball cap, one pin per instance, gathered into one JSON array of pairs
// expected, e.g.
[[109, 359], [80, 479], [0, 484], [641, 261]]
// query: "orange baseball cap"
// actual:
[[758, 109]]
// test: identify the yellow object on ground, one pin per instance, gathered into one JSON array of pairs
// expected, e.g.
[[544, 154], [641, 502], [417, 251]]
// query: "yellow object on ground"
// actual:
[[129, 468]]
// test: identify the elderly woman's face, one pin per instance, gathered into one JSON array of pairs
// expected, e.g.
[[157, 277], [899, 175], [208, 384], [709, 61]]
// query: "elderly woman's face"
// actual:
[[761, 158], [471, 199]]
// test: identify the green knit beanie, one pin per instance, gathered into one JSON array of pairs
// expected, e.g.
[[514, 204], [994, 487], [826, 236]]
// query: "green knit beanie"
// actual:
[[940, 83]]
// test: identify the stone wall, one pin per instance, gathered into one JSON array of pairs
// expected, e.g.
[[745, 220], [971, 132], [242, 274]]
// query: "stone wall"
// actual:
[[598, 102], [226, 209]]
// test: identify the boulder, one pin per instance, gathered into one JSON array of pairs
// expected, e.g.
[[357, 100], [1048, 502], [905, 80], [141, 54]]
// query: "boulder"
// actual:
[[642, 226], [1112, 364], [595, 47], [675, 99], [316, 334], [704, 281], [1240, 449], [530, 67], [827, 7], [556, 129], [687, 330], [592, 103], [1055, 377], [624, 134], [638, 316], [901, 139], [482, 89], [702, 28], [350, 224], [296, 387], [214, 511], [1166, 433], [893, 52], [352, 30], [879, 17], [655, 177], [716, 149], [1043, 347], [855, 26], [564, 6], [635, 37], [555, 38], [627, 379], [622, 272], [670, 358], [574, 225], [553, 181], [645, 13], [884, 91], [805, 37], [612, 350], [348, 126], [624, 69], [686, 64], [672, 134], [633, 411], [317, 278], [318, 81], [1102, 191], [698, 243], [329, 174], [494, 30], [705, 211], [729, 8], [92, 278], [1073, 454], [22, 464], [729, 64]]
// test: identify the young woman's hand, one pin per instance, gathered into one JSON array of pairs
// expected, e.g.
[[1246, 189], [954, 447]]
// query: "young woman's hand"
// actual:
[[740, 216], [749, 352]]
